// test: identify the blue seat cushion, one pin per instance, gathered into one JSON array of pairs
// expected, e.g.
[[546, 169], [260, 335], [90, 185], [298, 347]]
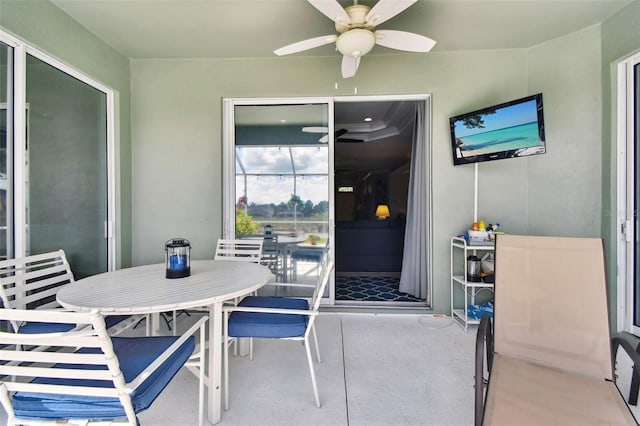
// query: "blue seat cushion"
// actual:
[[311, 255], [112, 320], [266, 325], [44, 327], [134, 355], [52, 327]]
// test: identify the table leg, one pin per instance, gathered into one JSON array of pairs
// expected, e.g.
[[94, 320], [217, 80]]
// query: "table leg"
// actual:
[[155, 324], [215, 362]]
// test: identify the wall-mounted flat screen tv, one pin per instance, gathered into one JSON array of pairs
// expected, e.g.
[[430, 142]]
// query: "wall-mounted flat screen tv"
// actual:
[[508, 130]]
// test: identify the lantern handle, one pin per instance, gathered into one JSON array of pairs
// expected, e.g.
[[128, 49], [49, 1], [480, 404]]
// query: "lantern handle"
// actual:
[[177, 240]]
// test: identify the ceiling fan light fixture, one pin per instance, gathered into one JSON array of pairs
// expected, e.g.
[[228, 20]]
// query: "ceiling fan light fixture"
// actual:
[[355, 25], [356, 42]]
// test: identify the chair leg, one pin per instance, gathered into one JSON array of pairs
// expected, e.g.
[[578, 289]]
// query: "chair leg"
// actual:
[[167, 321], [201, 377], [312, 371], [147, 328], [635, 383], [235, 341], [294, 270], [225, 357], [175, 323], [315, 341], [139, 322]]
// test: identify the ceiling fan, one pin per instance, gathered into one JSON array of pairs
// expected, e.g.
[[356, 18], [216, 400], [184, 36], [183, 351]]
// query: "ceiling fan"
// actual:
[[337, 134], [340, 132], [357, 37]]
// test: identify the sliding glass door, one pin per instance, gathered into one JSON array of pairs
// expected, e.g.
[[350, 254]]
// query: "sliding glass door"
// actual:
[[66, 167], [628, 220], [6, 151], [634, 125], [277, 180], [55, 150]]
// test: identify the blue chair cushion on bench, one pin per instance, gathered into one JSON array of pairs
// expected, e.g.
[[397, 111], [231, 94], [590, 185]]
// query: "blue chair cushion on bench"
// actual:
[[50, 327], [258, 324], [311, 255], [134, 355]]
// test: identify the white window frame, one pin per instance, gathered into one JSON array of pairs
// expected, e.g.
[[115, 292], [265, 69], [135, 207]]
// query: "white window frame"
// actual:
[[625, 221], [21, 49]]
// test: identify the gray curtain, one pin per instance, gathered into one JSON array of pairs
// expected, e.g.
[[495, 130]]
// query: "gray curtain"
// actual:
[[414, 277]]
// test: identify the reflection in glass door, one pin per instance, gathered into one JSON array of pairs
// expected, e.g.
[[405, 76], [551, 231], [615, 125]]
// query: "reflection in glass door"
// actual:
[[281, 167], [66, 168]]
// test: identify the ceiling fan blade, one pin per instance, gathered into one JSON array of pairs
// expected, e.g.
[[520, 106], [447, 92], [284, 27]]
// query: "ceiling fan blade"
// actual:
[[350, 140], [306, 44], [385, 10], [403, 40], [337, 134], [332, 10], [315, 129], [349, 66]]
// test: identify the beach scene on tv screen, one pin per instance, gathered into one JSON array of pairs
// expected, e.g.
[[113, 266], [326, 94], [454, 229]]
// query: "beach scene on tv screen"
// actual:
[[512, 128]]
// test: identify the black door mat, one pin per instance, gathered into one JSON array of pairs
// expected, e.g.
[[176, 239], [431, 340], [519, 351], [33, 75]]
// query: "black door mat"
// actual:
[[371, 289]]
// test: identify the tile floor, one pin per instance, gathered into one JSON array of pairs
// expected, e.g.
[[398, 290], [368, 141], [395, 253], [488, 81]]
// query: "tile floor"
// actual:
[[377, 370]]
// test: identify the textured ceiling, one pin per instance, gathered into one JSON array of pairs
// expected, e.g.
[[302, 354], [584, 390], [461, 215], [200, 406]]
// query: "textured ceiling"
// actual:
[[254, 28]]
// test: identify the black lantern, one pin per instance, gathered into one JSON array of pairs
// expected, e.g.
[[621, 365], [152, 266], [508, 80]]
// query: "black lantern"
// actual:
[[177, 253]]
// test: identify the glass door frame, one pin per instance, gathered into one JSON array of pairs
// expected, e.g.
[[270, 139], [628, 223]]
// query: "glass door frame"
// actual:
[[21, 49], [229, 168], [626, 216]]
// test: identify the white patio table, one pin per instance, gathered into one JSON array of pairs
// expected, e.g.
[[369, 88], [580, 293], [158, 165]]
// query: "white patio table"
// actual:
[[144, 289]]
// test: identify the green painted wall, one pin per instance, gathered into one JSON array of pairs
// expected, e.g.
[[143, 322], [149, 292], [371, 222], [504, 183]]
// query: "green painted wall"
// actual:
[[564, 185], [620, 39], [52, 31], [176, 126], [175, 119]]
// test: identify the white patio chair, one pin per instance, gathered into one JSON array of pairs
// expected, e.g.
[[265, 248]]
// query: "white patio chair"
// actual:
[[85, 376], [272, 317], [32, 282], [314, 255], [272, 257], [249, 250]]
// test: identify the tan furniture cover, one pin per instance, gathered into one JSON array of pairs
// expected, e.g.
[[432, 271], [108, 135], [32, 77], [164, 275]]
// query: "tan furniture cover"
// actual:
[[552, 346]]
